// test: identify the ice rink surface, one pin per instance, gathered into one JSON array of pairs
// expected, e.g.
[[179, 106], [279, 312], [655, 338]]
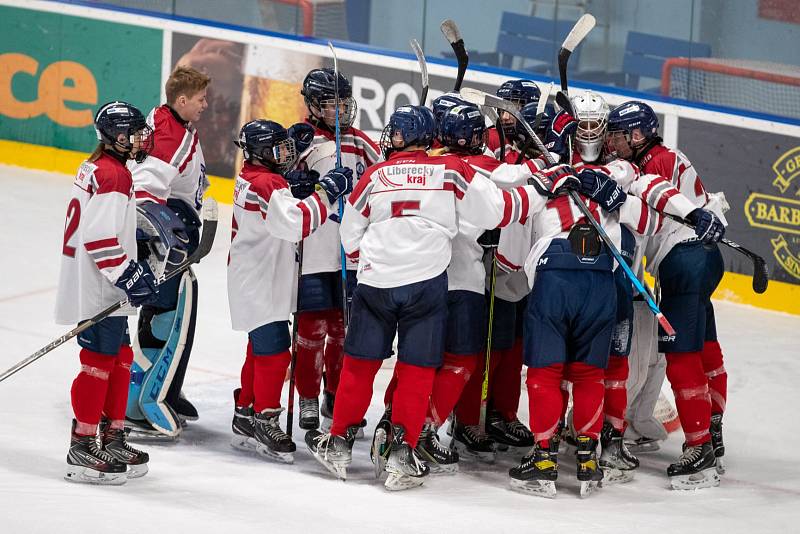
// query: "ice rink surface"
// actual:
[[200, 484]]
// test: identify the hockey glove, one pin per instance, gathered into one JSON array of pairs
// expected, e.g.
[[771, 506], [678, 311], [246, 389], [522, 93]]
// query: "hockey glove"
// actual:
[[489, 238], [303, 135], [707, 226], [559, 132], [302, 183], [555, 181], [602, 189], [337, 182], [138, 282]]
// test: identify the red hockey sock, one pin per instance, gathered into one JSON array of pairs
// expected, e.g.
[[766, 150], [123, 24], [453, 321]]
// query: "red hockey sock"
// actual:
[[616, 394], [690, 386], [468, 408], [545, 400], [246, 395], [716, 374], [564, 399], [388, 395], [414, 386], [268, 374], [89, 390], [352, 398], [587, 398], [448, 384], [334, 350], [119, 380], [506, 382], [311, 327]]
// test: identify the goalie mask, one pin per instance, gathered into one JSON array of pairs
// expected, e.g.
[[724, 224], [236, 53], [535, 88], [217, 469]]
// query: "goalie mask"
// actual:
[[591, 111], [161, 238]]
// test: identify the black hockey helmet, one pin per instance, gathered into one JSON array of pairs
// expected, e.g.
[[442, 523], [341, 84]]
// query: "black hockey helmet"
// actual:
[[120, 118], [463, 128], [319, 93], [408, 126], [269, 143]]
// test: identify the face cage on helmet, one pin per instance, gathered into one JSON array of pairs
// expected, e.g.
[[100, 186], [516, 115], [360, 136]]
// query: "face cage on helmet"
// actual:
[[327, 109], [590, 136], [143, 137], [284, 154]]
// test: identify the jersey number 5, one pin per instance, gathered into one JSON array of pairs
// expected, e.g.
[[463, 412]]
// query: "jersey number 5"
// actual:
[[71, 226]]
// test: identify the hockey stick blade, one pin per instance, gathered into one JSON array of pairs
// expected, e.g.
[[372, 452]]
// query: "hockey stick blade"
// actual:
[[210, 214], [453, 36], [423, 69], [579, 31], [563, 102]]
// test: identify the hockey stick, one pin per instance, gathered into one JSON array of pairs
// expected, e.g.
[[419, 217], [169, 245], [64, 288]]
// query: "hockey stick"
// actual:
[[487, 360], [578, 32], [540, 105], [453, 36], [293, 363], [338, 134], [481, 98], [423, 69], [760, 271], [210, 215]]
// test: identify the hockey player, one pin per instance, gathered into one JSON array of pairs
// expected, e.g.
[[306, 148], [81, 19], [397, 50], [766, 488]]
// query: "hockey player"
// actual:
[[99, 268], [174, 178], [521, 92], [267, 222], [320, 321], [689, 267], [400, 220]]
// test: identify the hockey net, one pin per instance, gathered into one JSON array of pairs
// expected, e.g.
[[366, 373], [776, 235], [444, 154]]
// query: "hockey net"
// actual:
[[761, 86]]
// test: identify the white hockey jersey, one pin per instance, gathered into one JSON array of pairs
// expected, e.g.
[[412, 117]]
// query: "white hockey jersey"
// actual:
[[322, 250], [99, 240], [175, 167], [267, 223], [404, 212]]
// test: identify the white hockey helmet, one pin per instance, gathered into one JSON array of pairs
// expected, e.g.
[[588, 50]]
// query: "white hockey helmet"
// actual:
[[591, 110]]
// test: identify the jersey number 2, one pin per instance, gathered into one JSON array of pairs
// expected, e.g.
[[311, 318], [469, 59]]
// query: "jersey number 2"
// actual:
[[73, 219]]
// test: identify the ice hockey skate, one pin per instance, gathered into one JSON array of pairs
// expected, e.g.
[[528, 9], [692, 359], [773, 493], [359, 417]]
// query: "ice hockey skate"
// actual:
[[335, 453], [381, 442], [440, 459], [406, 469], [507, 434], [617, 463], [538, 471], [326, 411], [115, 443], [472, 442], [309, 413], [89, 464], [716, 441], [589, 472], [695, 469], [271, 441]]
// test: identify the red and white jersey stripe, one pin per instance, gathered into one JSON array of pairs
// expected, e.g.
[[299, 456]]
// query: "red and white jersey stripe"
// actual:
[[99, 240], [267, 223]]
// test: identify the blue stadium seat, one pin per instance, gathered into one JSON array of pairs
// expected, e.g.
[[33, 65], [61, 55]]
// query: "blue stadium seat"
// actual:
[[645, 55]]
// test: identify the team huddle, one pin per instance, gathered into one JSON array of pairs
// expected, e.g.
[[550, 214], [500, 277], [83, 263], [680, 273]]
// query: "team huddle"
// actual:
[[463, 250]]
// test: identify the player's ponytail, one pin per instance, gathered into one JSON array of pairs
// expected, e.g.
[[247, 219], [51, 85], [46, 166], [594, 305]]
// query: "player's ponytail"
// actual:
[[98, 151]]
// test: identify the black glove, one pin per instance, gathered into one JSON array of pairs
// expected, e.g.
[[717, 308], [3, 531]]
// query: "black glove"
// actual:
[[302, 183], [337, 182], [303, 135], [707, 226], [559, 132], [602, 189], [555, 181], [138, 282], [489, 238]]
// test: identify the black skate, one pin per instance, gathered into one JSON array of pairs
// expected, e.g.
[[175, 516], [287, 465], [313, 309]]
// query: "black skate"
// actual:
[[326, 410], [382, 442], [88, 463], [406, 469], [472, 442], [185, 409], [643, 445], [716, 441], [440, 459], [617, 463], [335, 453], [271, 441], [507, 433], [309, 413], [116, 444], [243, 426], [589, 472], [538, 471], [695, 469]]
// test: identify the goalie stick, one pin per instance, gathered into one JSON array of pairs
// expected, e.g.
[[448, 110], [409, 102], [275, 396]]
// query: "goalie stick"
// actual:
[[423, 69], [210, 214], [453, 36], [482, 99]]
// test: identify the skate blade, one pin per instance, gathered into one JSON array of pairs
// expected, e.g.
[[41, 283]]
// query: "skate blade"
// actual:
[[538, 488], [266, 452], [442, 469], [400, 482], [378, 460], [85, 475], [720, 466], [243, 443], [638, 448], [137, 471], [588, 487], [136, 433], [480, 456], [612, 475], [339, 470], [708, 478]]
